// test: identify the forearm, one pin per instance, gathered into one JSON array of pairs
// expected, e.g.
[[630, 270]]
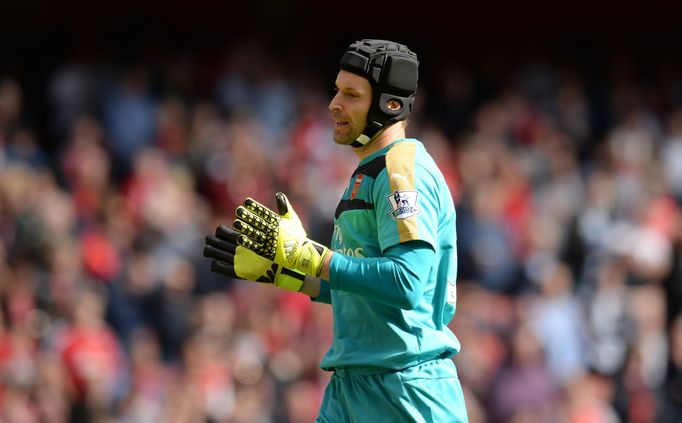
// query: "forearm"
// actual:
[[318, 288], [324, 274], [395, 279], [311, 286]]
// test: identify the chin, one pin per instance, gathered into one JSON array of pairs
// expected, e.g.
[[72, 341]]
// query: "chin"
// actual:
[[343, 140]]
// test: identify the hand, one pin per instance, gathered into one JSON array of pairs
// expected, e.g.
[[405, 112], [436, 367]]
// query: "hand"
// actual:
[[278, 237], [235, 261]]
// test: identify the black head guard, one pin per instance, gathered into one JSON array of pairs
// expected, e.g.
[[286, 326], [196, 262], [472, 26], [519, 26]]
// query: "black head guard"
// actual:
[[392, 70]]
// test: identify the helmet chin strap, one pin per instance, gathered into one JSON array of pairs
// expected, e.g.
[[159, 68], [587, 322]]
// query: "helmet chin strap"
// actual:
[[367, 135], [360, 141]]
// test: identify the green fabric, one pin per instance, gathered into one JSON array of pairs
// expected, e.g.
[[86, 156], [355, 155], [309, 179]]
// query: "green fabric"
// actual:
[[427, 393], [397, 275], [325, 295], [393, 298]]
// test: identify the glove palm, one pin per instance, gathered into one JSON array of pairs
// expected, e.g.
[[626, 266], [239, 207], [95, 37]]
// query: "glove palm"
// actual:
[[235, 261], [279, 237]]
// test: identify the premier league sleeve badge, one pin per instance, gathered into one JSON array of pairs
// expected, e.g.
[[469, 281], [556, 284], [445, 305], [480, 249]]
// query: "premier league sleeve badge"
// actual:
[[403, 204]]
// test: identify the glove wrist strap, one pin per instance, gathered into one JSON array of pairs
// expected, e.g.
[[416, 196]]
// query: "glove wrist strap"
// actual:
[[311, 258], [290, 280]]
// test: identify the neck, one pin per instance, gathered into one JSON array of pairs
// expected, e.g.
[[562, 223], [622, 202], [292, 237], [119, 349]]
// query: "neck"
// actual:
[[382, 139]]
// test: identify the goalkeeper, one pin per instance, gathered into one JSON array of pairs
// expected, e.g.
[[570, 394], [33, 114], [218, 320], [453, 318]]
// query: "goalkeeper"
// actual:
[[390, 272]]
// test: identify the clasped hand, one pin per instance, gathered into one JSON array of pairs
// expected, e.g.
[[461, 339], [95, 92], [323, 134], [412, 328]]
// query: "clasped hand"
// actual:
[[279, 237]]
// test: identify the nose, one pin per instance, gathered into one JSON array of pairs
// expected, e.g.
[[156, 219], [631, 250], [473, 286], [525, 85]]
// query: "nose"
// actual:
[[334, 105]]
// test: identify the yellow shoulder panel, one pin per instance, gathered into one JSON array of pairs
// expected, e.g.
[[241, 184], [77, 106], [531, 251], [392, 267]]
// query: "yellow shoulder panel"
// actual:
[[400, 171]]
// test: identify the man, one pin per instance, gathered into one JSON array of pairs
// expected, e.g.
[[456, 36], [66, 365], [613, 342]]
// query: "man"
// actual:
[[390, 273]]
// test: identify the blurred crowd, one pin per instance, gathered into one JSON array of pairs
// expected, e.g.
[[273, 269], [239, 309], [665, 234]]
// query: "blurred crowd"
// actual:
[[568, 188]]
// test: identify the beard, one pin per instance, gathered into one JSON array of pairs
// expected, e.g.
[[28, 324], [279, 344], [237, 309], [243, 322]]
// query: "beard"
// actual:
[[345, 137]]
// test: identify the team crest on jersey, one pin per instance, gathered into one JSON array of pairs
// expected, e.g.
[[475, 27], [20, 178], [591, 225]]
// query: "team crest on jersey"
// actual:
[[356, 186], [403, 204]]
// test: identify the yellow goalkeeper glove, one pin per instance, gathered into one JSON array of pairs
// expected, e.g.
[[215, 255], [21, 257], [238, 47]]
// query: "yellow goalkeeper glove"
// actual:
[[235, 261], [279, 237]]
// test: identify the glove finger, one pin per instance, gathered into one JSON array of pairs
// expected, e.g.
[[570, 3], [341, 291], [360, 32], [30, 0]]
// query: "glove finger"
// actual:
[[225, 233], [263, 250], [215, 253], [218, 243], [282, 203], [245, 229], [260, 210], [254, 220], [224, 268], [285, 209]]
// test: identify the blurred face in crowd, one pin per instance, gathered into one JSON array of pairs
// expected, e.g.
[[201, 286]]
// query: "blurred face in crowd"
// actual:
[[349, 106]]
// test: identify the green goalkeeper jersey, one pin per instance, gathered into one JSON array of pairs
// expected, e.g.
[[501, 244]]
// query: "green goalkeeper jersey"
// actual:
[[396, 210]]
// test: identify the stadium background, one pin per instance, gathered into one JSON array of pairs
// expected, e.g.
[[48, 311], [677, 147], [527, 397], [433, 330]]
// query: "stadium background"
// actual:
[[129, 131]]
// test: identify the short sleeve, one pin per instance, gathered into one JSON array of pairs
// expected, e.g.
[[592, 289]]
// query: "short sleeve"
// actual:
[[406, 199]]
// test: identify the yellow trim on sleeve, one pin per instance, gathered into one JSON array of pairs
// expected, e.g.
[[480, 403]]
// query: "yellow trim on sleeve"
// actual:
[[400, 171]]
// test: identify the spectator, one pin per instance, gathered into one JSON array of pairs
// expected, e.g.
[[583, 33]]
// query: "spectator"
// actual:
[[568, 188]]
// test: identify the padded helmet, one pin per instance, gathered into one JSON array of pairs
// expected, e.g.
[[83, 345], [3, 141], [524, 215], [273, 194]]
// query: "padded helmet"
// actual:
[[392, 71]]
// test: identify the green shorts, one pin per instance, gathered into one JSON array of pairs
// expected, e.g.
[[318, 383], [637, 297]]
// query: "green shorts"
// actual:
[[428, 392]]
